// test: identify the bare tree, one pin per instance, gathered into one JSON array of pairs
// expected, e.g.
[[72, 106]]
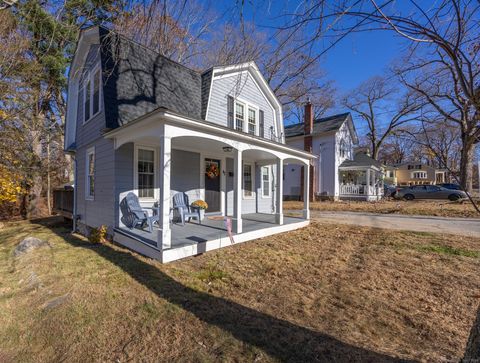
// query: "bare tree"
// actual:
[[444, 66], [175, 29], [377, 102]]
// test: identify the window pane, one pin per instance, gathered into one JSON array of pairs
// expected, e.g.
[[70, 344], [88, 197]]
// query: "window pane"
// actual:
[[96, 92], [266, 181], [251, 121], [239, 116], [146, 173], [86, 101], [247, 180]]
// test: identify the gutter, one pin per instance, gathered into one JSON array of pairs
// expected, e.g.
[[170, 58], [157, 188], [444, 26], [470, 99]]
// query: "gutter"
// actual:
[[74, 228], [212, 127]]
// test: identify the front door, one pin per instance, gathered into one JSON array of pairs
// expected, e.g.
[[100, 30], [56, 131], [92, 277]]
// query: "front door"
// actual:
[[212, 185]]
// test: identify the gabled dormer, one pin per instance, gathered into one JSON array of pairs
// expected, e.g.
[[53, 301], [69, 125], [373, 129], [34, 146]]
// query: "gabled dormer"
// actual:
[[239, 98]]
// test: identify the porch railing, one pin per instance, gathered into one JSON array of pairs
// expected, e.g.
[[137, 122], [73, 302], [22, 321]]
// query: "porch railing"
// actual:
[[358, 189]]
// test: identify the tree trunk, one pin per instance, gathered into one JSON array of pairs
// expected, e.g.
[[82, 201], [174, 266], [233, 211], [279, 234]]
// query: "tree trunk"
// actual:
[[466, 163]]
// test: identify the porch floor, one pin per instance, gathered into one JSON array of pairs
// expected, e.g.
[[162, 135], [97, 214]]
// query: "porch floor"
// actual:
[[210, 229]]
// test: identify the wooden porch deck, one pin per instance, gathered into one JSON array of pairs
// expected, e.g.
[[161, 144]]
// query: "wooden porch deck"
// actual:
[[210, 229]]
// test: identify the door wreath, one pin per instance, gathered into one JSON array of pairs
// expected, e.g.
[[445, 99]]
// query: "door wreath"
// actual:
[[212, 171]]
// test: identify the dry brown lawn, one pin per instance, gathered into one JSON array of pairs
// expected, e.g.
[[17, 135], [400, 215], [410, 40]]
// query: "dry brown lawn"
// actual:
[[416, 207], [323, 293]]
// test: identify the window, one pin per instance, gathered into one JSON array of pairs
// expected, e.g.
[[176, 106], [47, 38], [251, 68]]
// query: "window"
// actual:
[[239, 116], [146, 173], [86, 101], [90, 174], [343, 149], [91, 88], [252, 121], [419, 175], [266, 184], [247, 181], [96, 92]]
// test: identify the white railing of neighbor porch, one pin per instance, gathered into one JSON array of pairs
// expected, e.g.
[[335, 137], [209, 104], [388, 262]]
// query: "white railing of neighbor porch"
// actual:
[[350, 189], [357, 189]]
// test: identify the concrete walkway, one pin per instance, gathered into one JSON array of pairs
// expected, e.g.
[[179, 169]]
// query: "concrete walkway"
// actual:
[[458, 226]]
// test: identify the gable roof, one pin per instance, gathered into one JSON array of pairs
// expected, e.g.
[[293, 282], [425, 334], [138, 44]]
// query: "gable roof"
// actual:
[[361, 160], [323, 125]]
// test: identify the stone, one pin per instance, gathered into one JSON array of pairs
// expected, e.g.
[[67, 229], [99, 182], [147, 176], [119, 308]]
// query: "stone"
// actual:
[[27, 245], [55, 302]]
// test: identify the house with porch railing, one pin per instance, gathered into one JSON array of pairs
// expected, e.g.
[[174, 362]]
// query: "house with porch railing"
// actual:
[[173, 161], [340, 170]]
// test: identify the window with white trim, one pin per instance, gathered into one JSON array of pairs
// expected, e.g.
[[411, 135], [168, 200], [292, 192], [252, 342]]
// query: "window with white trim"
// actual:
[[145, 173], [252, 121], [91, 89], [90, 174], [419, 175], [247, 181], [239, 116], [266, 182]]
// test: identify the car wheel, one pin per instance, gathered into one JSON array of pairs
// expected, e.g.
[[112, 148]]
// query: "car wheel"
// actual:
[[453, 197], [409, 197]]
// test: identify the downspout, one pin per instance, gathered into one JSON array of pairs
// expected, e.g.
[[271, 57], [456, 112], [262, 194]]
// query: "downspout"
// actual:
[[74, 228]]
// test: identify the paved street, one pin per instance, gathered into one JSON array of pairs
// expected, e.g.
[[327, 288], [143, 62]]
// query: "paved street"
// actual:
[[458, 226]]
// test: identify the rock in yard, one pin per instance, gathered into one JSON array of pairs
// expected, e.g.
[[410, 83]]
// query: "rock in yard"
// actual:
[[28, 244], [55, 302]]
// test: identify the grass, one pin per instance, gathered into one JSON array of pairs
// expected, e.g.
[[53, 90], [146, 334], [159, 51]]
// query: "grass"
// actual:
[[417, 207], [447, 250], [323, 293]]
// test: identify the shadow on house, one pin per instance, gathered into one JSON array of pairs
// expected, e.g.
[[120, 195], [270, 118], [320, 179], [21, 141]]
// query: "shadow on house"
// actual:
[[278, 338]]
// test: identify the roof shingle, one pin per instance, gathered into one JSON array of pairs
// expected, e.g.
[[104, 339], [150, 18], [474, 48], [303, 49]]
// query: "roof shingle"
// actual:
[[321, 125]]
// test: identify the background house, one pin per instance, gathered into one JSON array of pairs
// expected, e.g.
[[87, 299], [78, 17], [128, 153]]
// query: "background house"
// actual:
[[415, 173], [338, 172]]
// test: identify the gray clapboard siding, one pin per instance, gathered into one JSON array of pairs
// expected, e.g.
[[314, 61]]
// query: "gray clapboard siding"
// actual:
[[185, 173], [244, 88], [257, 204], [100, 210], [123, 177]]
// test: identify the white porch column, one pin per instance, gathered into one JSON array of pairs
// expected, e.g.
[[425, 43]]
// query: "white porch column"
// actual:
[[374, 182], [164, 239], [306, 191], [237, 191], [367, 191], [279, 193]]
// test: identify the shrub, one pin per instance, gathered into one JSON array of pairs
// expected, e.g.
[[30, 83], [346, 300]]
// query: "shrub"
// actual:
[[98, 235]]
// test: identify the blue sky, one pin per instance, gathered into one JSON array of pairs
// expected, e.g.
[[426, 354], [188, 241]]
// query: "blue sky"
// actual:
[[353, 60]]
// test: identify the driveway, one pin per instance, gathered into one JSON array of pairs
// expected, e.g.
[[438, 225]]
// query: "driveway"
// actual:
[[458, 226]]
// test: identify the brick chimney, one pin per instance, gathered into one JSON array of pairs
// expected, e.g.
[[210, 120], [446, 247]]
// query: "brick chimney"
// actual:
[[308, 146], [308, 122]]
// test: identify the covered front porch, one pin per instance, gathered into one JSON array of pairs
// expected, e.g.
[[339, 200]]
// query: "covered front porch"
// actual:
[[240, 181]]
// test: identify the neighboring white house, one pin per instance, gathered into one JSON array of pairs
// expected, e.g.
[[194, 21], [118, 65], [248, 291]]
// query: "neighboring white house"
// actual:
[[143, 126], [338, 172]]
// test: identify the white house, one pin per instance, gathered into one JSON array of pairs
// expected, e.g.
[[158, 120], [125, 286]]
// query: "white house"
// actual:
[[143, 129], [338, 172]]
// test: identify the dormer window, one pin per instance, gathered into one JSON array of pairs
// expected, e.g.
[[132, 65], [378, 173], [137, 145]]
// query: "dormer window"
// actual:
[[252, 121], [343, 149], [90, 87], [239, 116]]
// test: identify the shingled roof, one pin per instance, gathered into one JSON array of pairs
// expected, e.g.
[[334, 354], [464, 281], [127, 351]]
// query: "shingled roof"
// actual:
[[139, 80], [320, 126], [361, 159]]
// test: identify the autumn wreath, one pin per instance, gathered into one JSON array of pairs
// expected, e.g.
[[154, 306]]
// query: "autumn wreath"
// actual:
[[212, 171]]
